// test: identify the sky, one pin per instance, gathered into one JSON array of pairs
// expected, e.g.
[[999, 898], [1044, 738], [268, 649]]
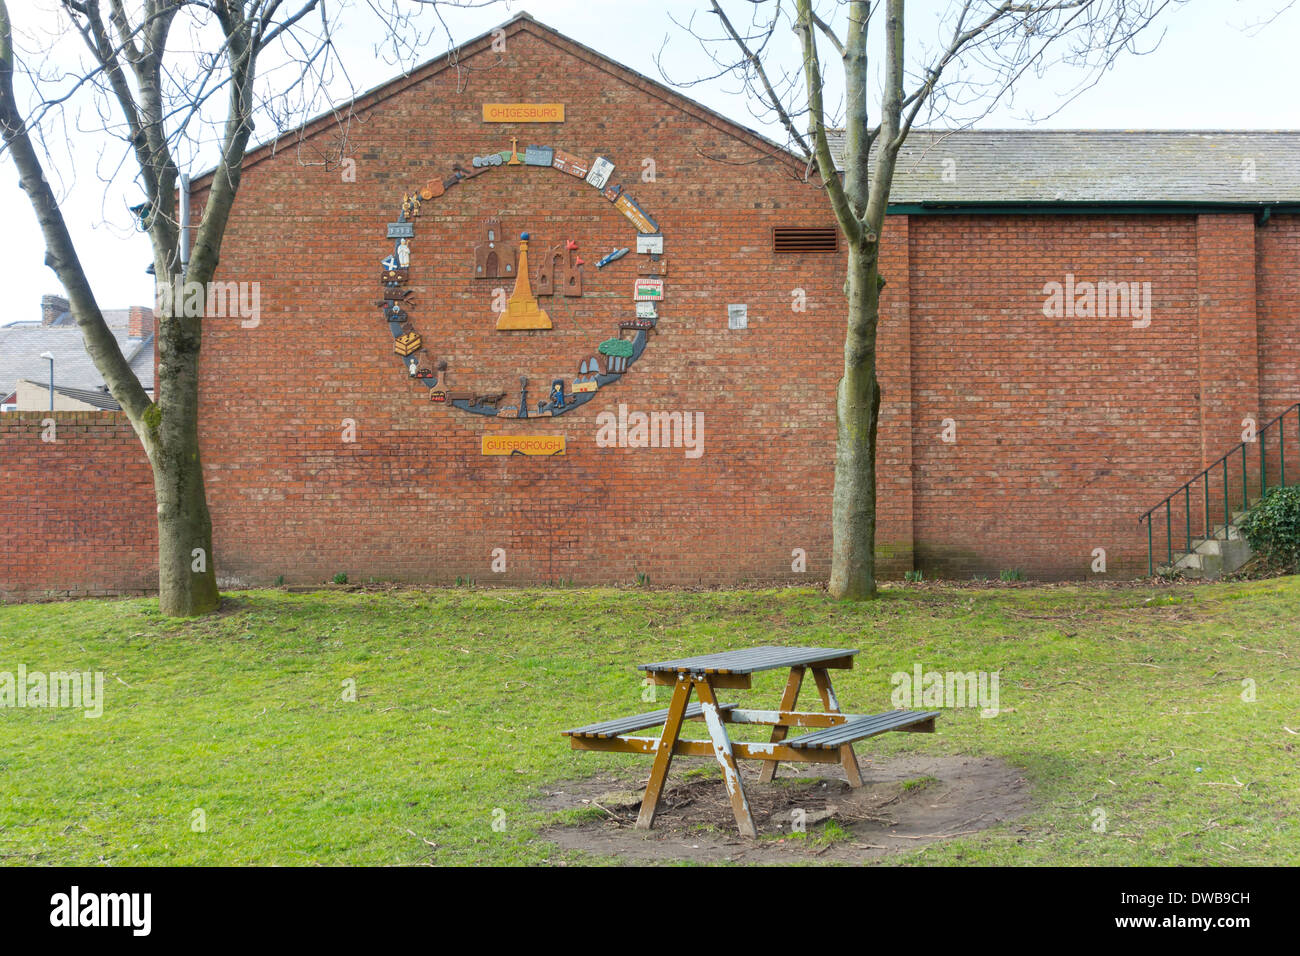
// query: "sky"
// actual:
[[1208, 64]]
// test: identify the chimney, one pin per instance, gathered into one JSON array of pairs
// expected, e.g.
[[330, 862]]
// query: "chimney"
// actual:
[[52, 306], [139, 322]]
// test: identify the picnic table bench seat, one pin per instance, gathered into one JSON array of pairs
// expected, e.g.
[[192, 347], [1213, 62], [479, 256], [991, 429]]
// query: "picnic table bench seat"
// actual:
[[703, 675], [859, 728], [625, 725]]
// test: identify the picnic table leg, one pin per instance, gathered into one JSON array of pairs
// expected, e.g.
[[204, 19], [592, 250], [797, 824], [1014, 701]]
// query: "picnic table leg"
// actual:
[[722, 750], [848, 759], [664, 755], [788, 701]]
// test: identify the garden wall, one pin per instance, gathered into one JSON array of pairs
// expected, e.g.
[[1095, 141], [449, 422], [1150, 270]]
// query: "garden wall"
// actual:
[[76, 507]]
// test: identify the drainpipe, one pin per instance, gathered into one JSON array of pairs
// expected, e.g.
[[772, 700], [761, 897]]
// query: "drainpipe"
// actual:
[[49, 357], [185, 223]]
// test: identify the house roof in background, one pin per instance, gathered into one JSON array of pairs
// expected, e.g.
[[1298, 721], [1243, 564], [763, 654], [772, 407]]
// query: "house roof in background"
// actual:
[[91, 396], [114, 318], [21, 347], [1094, 166]]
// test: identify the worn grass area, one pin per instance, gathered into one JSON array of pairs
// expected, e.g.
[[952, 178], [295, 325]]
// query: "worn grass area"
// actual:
[[1127, 700]]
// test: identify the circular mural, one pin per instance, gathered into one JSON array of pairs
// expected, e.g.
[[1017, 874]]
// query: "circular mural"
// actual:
[[554, 271]]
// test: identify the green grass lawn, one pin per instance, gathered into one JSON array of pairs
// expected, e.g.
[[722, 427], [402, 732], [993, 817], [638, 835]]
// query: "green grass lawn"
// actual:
[[1126, 699]]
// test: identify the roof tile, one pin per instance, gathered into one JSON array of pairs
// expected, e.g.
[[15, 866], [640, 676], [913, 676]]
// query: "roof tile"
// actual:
[[1101, 166]]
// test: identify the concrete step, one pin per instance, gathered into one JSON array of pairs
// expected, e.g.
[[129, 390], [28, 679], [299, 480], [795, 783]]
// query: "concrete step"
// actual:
[[1211, 558], [1232, 532], [1233, 529]]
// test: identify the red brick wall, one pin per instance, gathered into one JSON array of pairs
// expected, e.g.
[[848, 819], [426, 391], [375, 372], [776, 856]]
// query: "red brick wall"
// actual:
[[1067, 428], [76, 514], [895, 505], [1277, 288], [1229, 381], [414, 498]]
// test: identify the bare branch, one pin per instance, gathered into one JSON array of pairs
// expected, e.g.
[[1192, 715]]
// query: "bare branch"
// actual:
[[844, 212], [751, 60], [61, 254]]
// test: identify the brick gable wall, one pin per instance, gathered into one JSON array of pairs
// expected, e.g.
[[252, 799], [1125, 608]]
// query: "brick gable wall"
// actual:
[[1066, 428]]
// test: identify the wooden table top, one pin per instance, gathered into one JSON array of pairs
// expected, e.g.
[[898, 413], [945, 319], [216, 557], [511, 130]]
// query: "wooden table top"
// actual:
[[752, 659]]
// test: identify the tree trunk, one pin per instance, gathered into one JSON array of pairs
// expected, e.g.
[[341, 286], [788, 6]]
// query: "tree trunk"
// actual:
[[187, 583], [857, 410], [187, 580]]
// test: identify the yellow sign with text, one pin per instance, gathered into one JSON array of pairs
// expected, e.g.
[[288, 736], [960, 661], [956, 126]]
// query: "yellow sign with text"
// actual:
[[523, 444], [523, 112]]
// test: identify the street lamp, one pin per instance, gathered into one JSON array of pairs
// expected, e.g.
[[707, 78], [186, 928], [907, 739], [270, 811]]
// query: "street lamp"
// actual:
[[49, 357]]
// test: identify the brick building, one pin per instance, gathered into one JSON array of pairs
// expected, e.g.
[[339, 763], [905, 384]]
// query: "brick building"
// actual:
[[1074, 325]]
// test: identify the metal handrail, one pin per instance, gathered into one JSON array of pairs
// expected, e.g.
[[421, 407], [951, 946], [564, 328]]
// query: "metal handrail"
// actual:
[[1204, 476]]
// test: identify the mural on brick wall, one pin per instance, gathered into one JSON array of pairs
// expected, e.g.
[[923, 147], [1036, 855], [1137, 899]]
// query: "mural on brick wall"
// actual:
[[559, 271]]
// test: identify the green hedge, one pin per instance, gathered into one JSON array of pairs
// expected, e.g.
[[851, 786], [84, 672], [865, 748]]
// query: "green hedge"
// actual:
[[1273, 527]]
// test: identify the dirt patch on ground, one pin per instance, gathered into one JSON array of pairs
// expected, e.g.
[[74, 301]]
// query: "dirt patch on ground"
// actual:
[[903, 804]]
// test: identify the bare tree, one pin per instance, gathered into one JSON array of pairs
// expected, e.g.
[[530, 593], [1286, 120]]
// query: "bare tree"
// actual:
[[173, 78], [986, 47]]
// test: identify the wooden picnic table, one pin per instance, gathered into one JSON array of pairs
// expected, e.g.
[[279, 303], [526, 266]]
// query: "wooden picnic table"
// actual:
[[732, 670]]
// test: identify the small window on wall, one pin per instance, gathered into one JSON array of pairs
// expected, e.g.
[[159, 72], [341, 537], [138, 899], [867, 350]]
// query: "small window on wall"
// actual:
[[796, 240]]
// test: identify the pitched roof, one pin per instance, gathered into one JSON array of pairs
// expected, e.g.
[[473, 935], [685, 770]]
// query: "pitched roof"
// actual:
[[21, 347], [114, 318], [90, 396], [521, 21], [992, 166], [1094, 166]]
